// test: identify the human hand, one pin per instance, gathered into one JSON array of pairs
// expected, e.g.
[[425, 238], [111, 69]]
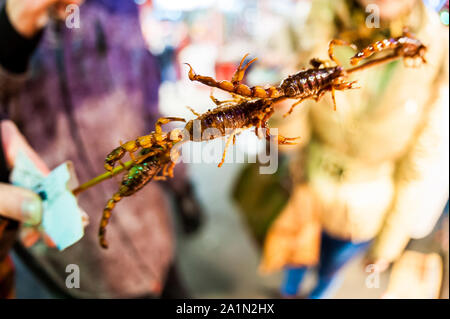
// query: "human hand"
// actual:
[[378, 265], [29, 16], [18, 203]]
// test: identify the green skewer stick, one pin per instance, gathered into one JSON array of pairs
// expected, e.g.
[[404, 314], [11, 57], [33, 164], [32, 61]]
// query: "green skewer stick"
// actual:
[[102, 177], [107, 175]]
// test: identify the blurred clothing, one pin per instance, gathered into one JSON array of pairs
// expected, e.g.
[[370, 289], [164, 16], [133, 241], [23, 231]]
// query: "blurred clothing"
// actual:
[[415, 275], [294, 237], [86, 89], [261, 197], [379, 164], [334, 254], [377, 167], [6, 278], [8, 234], [293, 277]]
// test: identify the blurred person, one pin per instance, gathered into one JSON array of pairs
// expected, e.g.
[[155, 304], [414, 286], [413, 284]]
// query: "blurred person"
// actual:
[[415, 275], [373, 174], [74, 93], [16, 204]]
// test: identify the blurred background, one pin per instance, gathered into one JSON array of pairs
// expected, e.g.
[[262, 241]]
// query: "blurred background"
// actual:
[[222, 259]]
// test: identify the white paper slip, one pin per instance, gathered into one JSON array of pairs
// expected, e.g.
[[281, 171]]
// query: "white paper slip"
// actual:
[[61, 218]]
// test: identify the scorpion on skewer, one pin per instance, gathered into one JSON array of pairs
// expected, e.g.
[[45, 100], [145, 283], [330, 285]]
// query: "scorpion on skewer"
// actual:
[[231, 118], [306, 84], [321, 78], [155, 148], [251, 107], [155, 157], [406, 46]]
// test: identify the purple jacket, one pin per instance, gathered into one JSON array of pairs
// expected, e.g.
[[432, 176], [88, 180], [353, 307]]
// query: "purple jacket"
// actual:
[[86, 90]]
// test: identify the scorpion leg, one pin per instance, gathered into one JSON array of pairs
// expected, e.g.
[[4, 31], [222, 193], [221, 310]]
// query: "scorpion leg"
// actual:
[[335, 42], [263, 118], [317, 63], [159, 136], [340, 86], [193, 111], [118, 153], [164, 120], [130, 151], [229, 140], [344, 85], [164, 173], [406, 33], [172, 163], [164, 170], [281, 140], [333, 97], [169, 170], [218, 102], [257, 127], [292, 107]]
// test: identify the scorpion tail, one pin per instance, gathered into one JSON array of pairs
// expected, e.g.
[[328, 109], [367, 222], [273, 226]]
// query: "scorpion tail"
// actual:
[[373, 48], [234, 86], [105, 218]]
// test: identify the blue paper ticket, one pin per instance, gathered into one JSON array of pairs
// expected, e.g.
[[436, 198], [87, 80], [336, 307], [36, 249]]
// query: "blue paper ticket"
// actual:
[[61, 218]]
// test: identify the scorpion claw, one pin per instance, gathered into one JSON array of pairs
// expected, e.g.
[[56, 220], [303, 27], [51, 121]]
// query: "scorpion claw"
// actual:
[[108, 167], [287, 140]]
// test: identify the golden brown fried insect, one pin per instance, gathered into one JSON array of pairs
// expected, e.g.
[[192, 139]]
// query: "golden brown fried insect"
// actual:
[[155, 157], [231, 118], [406, 46], [252, 110], [310, 83], [156, 138], [135, 179]]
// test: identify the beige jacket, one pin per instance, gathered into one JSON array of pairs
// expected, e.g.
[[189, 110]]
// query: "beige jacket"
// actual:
[[379, 164]]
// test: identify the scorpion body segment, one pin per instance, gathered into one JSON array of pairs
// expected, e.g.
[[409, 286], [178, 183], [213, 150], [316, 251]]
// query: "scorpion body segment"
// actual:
[[406, 46], [225, 118], [231, 120], [310, 83], [240, 89], [315, 82], [155, 156], [235, 86], [136, 178], [157, 139]]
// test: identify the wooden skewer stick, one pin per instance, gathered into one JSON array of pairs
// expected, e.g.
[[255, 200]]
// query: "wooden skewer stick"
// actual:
[[372, 63]]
